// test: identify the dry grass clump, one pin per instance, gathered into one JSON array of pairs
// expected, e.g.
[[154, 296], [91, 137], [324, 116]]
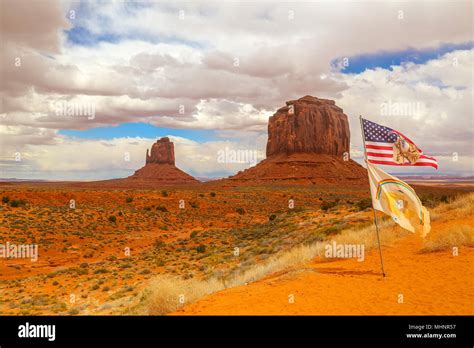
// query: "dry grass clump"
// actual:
[[454, 236], [367, 235], [461, 207], [166, 294], [276, 263], [457, 233]]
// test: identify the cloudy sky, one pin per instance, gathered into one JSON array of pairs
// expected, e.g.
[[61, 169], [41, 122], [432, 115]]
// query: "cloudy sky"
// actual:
[[87, 87]]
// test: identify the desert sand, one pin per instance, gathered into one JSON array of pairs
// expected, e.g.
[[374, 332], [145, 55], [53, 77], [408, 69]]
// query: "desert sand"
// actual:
[[434, 283]]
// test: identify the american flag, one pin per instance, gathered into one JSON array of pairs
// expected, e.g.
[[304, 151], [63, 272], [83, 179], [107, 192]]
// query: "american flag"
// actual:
[[380, 146]]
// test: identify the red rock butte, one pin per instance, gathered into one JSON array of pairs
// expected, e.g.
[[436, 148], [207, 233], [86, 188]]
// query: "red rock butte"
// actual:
[[161, 152], [160, 166], [308, 142]]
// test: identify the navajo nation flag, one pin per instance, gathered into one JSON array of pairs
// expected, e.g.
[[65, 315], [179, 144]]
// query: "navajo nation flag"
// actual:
[[384, 145]]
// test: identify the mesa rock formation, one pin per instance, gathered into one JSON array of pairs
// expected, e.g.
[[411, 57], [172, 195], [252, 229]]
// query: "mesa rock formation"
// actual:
[[308, 142], [308, 125], [160, 166]]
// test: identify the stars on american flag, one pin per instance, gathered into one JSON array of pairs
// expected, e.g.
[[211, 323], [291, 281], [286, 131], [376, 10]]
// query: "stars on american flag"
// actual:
[[377, 133]]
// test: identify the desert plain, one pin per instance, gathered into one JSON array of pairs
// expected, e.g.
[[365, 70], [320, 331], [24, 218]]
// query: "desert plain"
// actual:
[[225, 248]]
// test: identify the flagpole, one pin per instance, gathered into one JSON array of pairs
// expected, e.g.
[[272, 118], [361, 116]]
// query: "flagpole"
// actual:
[[373, 209]]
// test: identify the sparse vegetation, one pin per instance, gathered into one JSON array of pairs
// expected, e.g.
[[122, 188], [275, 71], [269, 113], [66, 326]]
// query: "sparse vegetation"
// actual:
[[190, 244], [162, 209], [328, 205], [17, 203], [364, 204], [455, 237], [160, 297], [159, 244]]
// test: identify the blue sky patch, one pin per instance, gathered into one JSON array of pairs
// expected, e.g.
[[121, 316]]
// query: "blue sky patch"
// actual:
[[82, 36], [143, 130], [385, 59]]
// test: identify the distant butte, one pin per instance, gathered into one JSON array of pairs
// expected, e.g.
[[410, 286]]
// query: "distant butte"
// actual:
[[308, 142], [160, 166], [162, 152]]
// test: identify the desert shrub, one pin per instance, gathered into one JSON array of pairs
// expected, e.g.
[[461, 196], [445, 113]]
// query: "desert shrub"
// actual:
[[160, 297], [81, 271], [193, 205], [84, 265], [201, 248], [201, 195], [193, 234], [212, 194], [73, 311], [112, 218], [162, 209], [432, 201], [331, 230], [272, 217], [364, 204], [17, 203], [164, 193], [453, 236], [241, 211], [5, 199], [158, 244], [444, 199], [328, 205], [129, 199]]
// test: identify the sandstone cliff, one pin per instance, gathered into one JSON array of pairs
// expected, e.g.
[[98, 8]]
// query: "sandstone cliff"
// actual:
[[161, 152], [308, 125], [308, 142]]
